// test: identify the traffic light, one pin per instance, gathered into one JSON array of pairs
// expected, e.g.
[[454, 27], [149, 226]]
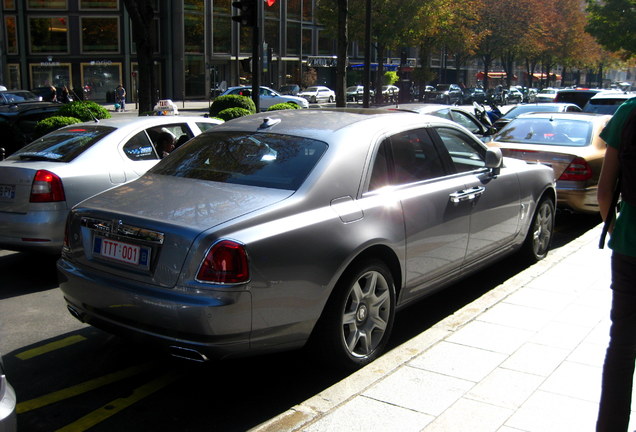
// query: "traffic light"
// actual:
[[248, 12]]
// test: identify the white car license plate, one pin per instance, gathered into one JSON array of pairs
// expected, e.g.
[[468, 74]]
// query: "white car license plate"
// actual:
[[123, 252], [7, 192]]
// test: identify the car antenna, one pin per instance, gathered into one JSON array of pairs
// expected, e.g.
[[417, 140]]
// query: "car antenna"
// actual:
[[84, 105]]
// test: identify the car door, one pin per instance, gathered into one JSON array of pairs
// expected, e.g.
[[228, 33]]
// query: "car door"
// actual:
[[436, 229], [495, 199]]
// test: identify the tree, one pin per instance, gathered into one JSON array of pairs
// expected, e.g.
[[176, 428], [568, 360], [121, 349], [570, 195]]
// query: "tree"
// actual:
[[613, 24], [343, 42], [142, 16]]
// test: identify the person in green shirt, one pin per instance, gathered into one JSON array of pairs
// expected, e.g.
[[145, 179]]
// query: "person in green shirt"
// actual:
[[620, 358]]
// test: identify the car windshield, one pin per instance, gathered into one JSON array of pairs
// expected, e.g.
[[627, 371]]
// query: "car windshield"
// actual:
[[523, 109], [442, 87], [311, 89], [352, 89], [547, 131], [14, 97], [63, 145], [253, 159]]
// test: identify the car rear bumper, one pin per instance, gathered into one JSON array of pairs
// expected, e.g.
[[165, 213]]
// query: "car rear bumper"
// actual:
[[214, 323], [41, 231], [578, 200]]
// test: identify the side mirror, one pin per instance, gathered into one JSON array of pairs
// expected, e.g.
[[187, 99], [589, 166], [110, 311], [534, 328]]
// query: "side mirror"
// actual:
[[494, 159]]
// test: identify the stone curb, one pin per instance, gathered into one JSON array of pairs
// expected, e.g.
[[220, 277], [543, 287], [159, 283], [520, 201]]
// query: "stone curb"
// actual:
[[316, 407]]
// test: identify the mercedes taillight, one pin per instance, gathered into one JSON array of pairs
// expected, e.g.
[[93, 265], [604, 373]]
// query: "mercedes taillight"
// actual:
[[578, 170]]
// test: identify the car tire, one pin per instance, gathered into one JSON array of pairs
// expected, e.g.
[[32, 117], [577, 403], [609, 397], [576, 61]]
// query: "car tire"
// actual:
[[314, 100], [539, 237], [358, 318], [330, 99]]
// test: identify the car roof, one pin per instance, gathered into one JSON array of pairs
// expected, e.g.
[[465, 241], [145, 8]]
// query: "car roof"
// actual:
[[577, 115], [613, 94], [148, 121]]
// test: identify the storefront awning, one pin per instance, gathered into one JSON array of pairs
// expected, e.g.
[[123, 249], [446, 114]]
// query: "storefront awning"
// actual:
[[493, 75], [374, 66], [543, 76]]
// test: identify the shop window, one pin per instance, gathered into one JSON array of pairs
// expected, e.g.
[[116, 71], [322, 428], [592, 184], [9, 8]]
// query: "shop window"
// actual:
[[100, 80], [221, 34], [293, 9], [308, 10], [43, 75], [222, 7], [13, 81], [98, 4], [47, 4], [9, 4], [11, 34], [293, 38], [100, 34], [48, 34], [194, 26], [194, 76], [307, 46]]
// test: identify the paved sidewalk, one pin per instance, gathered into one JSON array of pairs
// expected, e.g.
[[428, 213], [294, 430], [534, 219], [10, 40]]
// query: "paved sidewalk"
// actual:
[[526, 356]]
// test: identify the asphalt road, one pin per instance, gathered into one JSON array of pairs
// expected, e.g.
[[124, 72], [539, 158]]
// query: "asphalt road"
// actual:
[[72, 377]]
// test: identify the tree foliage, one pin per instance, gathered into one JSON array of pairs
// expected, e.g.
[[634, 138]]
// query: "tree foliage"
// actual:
[[613, 24]]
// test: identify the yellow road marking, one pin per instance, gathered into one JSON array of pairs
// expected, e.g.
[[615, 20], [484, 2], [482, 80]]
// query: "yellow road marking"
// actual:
[[78, 389], [50, 347], [112, 408]]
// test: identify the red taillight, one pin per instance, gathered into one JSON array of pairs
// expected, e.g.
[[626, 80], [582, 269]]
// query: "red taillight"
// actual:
[[578, 170], [226, 263], [47, 187]]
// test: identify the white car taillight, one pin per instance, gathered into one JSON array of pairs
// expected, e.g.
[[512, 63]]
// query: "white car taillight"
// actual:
[[225, 263], [47, 187]]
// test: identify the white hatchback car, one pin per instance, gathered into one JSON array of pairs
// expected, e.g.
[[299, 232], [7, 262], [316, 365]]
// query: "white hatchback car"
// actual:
[[267, 96], [317, 94], [41, 182]]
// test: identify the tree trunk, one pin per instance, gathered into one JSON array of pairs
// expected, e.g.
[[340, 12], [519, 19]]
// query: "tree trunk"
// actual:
[[142, 15]]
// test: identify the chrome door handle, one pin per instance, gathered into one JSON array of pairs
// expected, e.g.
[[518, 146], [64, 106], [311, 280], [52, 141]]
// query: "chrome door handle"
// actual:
[[467, 194]]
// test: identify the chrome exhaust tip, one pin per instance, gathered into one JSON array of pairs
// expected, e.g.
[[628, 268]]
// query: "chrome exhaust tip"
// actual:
[[187, 354], [76, 313]]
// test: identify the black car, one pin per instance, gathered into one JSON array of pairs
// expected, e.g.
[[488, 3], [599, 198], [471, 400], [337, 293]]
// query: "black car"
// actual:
[[447, 94], [474, 94], [20, 110], [578, 96]]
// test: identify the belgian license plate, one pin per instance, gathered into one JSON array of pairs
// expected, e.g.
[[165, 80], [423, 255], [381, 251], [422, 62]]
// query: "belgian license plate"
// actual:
[[7, 192], [122, 252]]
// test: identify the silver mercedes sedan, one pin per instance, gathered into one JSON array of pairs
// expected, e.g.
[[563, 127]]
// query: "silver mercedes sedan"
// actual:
[[278, 229], [42, 181]]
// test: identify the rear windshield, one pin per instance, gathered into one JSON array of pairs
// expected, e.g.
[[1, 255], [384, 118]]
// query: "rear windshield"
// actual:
[[603, 106], [523, 109], [545, 131], [63, 145], [253, 159]]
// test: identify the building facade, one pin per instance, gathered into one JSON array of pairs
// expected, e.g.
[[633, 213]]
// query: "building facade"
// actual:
[[87, 46]]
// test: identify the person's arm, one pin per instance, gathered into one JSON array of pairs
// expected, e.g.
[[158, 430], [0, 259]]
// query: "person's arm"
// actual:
[[607, 181]]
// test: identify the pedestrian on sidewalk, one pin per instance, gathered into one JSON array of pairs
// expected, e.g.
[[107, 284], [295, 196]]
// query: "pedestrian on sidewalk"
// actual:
[[120, 98], [620, 358]]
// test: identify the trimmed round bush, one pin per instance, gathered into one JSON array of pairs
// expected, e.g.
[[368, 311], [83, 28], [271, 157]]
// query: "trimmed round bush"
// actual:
[[231, 101], [232, 113], [283, 106], [50, 124], [83, 110]]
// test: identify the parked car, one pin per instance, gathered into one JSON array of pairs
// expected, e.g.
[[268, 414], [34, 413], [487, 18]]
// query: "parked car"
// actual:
[[536, 107], [271, 232], [513, 96], [569, 143], [267, 96], [20, 110], [8, 403], [290, 89], [578, 96], [317, 94], [446, 94], [390, 93], [356, 92], [474, 94], [607, 102], [546, 95], [530, 95], [41, 182], [458, 114]]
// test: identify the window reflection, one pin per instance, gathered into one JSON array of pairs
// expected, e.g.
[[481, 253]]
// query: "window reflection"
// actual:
[[48, 35]]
